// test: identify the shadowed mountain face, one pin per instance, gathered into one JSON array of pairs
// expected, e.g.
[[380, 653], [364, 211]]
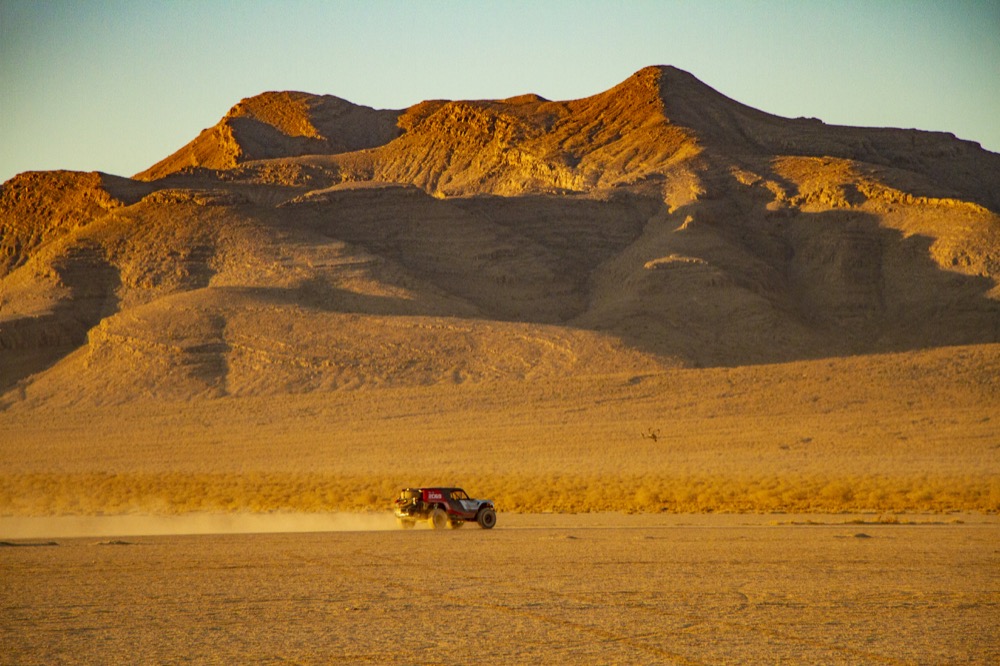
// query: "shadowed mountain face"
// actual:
[[306, 243], [281, 124]]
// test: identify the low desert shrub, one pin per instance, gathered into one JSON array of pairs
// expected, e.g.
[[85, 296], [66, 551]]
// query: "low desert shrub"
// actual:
[[177, 492]]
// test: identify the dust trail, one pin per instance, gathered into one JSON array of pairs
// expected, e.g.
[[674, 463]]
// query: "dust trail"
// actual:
[[51, 527]]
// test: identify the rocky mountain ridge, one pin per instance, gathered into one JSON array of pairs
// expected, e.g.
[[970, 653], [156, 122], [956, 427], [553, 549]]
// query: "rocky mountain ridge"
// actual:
[[308, 243]]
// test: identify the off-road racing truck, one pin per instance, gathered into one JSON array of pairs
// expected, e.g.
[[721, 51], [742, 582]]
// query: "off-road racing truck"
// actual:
[[443, 506]]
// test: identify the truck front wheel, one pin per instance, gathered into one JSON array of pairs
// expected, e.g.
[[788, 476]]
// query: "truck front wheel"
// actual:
[[487, 518]]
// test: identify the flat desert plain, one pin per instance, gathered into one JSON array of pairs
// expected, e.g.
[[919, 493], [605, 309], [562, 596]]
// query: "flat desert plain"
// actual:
[[908, 432], [595, 588], [830, 511]]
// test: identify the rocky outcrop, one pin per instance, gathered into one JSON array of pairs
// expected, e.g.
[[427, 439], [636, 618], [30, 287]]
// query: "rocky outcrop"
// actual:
[[306, 243], [280, 124]]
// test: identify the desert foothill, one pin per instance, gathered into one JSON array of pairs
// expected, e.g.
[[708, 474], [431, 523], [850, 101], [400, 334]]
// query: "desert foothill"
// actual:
[[731, 379]]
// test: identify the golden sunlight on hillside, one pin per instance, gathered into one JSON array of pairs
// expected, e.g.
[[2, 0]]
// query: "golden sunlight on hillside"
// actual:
[[909, 432]]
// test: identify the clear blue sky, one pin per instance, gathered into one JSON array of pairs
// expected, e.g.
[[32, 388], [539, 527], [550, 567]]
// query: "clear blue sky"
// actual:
[[116, 86]]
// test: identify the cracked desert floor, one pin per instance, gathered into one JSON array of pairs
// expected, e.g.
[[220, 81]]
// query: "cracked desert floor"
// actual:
[[832, 511], [597, 588]]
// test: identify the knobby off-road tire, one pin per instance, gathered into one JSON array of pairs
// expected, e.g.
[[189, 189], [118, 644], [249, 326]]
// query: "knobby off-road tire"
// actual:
[[487, 518], [406, 524], [438, 519]]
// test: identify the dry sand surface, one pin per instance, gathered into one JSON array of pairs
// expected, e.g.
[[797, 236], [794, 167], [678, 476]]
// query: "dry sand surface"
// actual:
[[537, 589], [908, 432]]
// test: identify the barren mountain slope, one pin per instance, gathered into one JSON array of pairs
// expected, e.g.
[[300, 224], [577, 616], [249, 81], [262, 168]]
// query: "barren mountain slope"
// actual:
[[321, 245], [39, 207], [203, 293], [280, 124], [647, 128]]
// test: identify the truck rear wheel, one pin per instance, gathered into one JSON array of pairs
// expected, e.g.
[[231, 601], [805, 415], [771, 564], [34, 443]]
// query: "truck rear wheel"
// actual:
[[438, 519], [487, 518]]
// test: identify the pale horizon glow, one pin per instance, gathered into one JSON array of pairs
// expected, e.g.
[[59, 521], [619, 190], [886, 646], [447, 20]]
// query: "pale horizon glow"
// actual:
[[117, 86]]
